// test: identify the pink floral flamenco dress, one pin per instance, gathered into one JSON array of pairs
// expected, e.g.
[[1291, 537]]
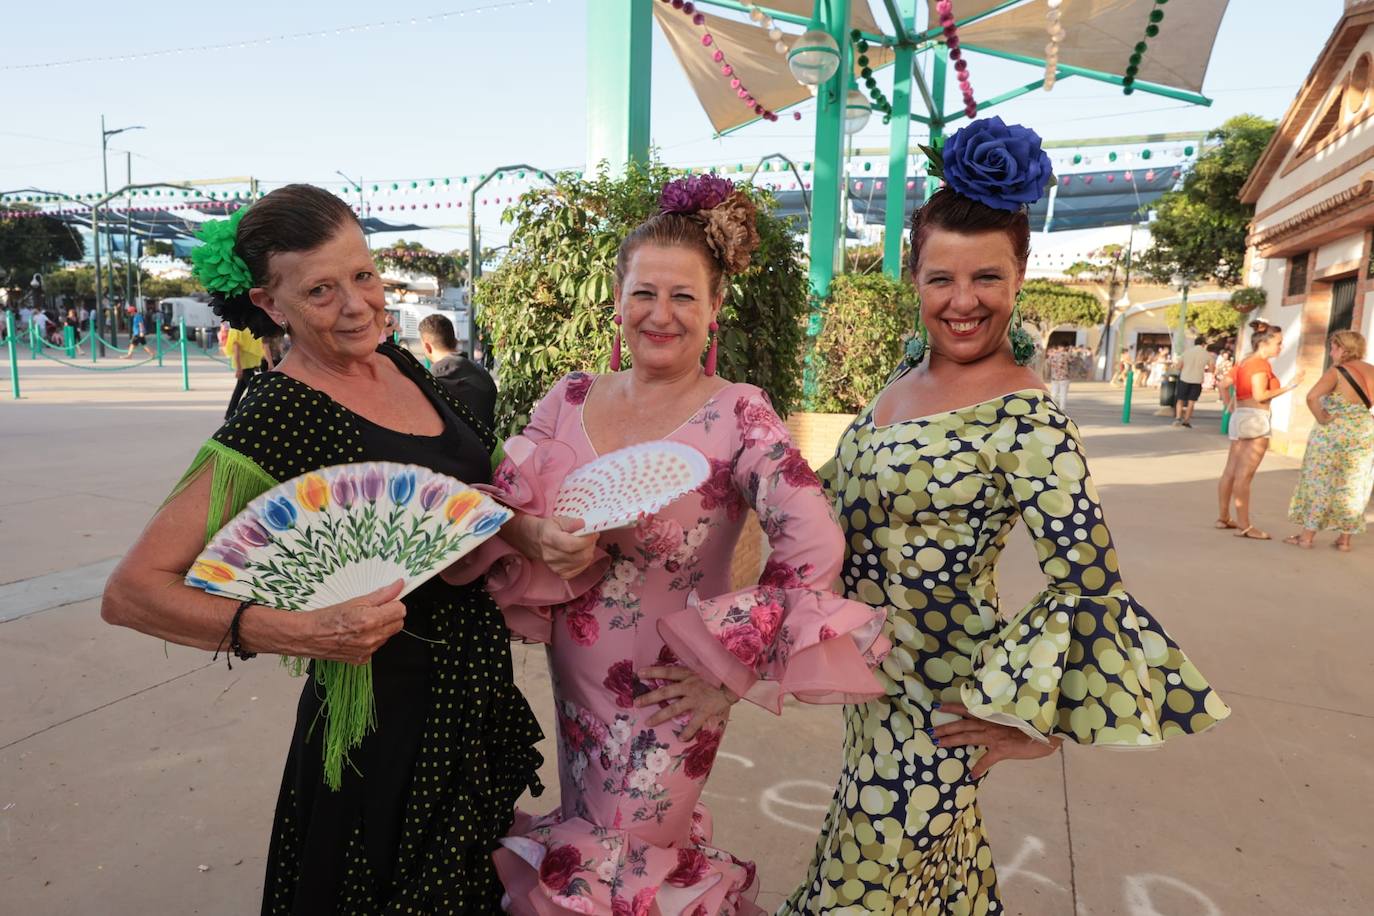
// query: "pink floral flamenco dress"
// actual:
[[630, 837]]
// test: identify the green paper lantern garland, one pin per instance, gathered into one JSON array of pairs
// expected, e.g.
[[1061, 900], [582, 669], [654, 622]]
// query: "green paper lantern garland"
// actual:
[[1138, 52], [877, 99]]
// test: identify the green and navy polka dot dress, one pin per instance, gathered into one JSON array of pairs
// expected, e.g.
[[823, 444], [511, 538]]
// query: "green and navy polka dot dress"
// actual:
[[426, 796], [927, 505]]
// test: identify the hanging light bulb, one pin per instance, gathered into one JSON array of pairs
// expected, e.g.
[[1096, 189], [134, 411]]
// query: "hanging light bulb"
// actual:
[[815, 56], [856, 111]]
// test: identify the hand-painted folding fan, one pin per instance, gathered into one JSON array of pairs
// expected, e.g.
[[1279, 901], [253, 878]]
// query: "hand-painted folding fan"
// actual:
[[344, 531], [616, 489]]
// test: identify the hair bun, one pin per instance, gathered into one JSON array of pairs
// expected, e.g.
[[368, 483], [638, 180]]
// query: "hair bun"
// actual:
[[732, 231], [242, 315]]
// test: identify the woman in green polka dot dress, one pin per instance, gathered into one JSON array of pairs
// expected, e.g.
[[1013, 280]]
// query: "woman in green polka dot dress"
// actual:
[[928, 483], [408, 820]]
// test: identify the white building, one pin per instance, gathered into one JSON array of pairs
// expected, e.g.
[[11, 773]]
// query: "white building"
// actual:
[[1313, 193]]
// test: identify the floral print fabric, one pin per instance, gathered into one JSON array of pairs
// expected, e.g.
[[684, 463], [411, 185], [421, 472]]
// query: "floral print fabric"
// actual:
[[927, 505], [1337, 470], [630, 836]]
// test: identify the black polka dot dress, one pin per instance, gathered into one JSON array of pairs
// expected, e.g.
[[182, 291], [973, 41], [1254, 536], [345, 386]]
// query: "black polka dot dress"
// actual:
[[927, 505], [426, 796]]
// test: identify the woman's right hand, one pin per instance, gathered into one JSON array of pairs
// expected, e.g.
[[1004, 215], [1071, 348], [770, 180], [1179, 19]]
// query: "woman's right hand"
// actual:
[[352, 631], [561, 548]]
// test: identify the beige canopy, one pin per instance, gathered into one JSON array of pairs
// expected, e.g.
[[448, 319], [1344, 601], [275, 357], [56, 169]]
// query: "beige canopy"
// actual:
[[756, 62], [1101, 35]]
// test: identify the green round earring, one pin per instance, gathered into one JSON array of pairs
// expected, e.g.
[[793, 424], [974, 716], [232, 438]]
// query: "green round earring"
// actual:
[[1022, 343]]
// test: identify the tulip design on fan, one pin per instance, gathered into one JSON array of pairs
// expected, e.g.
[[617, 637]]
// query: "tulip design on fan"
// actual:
[[344, 531]]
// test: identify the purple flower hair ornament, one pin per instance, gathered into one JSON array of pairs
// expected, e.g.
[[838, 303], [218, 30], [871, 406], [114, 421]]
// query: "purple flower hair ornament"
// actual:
[[695, 193]]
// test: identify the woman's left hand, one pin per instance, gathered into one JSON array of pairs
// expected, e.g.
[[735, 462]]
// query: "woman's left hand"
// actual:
[[688, 694], [1002, 741]]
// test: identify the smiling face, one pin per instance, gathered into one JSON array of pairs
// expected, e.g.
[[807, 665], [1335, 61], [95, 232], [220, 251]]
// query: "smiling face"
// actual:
[[330, 296], [968, 286], [666, 303]]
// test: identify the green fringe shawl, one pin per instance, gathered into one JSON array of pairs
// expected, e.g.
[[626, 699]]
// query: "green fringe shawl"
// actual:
[[349, 708]]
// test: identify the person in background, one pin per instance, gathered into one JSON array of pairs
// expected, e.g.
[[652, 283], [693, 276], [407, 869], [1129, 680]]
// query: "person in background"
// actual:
[[1157, 366], [1338, 466], [40, 321], [247, 357], [464, 378], [138, 333], [1255, 386], [1191, 366], [1057, 365], [1123, 369]]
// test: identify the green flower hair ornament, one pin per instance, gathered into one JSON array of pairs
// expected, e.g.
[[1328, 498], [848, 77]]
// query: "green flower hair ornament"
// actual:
[[216, 265]]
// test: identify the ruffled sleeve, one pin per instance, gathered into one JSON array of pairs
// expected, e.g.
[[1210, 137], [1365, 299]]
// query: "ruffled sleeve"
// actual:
[[1084, 660], [529, 475], [789, 634]]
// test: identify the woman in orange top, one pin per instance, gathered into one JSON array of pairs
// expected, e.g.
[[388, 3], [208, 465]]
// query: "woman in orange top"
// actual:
[[1256, 385]]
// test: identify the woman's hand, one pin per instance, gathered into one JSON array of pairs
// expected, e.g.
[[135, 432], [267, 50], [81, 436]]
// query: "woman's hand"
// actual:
[[688, 694], [1002, 741], [353, 631], [552, 541]]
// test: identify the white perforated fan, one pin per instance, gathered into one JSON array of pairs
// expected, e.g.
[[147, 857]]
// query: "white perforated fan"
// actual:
[[336, 534], [617, 489]]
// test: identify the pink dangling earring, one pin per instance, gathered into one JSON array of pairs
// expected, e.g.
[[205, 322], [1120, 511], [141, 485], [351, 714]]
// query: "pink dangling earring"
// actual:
[[615, 346], [711, 353]]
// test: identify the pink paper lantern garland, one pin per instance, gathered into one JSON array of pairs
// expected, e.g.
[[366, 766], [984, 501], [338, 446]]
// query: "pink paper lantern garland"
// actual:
[[951, 31], [727, 70]]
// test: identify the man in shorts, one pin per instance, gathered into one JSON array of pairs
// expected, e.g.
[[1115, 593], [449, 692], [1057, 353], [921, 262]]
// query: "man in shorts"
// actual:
[[1192, 366], [138, 333]]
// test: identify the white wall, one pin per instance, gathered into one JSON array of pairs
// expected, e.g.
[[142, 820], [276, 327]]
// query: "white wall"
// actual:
[[1340, 251]]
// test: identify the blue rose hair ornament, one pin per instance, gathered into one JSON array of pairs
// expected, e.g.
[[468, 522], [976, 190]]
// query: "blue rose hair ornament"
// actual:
[[997, 164]]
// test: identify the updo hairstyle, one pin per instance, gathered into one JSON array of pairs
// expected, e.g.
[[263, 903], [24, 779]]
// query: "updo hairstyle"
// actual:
[[297, 217], [953, 212], [726, 236], [1262, 331]]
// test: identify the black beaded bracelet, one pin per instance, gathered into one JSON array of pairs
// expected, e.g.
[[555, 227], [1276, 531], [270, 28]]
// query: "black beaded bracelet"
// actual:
[[235, 644]]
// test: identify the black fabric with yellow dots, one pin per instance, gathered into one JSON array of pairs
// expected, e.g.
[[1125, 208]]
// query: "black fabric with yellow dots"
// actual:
[[926, 506], [427, 795]]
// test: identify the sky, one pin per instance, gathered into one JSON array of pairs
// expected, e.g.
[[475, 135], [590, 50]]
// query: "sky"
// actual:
[[467, 93]]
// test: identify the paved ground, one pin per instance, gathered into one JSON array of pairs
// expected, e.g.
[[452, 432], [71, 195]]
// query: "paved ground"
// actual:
[[138, 779]]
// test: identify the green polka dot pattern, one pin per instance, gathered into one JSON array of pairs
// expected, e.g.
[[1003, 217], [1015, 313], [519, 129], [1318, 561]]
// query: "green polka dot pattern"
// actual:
[[927, 506]]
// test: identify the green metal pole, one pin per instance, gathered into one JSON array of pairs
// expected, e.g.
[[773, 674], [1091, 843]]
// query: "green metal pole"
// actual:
[[185, 369], [937, 116], [33, 340], [619, 71], [69, 340], [12, 347], [895, 223], [157, 328], [827, 217], [94, 326], [1126, 403], [1225, 412]]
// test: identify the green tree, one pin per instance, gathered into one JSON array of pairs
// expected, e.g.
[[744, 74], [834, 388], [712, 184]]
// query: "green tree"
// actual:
[[547, 308], [1210, 318], [1046, 305], [447, 268], [1199, 231], [34, 245], [867, 320]]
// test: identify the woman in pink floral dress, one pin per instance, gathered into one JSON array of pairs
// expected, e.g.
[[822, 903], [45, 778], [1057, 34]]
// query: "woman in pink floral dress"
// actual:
[[647, 643]]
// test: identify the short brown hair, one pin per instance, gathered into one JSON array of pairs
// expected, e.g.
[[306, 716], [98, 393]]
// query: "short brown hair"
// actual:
[[437, 329], [949, 210], [1352, 344], [296, 217]]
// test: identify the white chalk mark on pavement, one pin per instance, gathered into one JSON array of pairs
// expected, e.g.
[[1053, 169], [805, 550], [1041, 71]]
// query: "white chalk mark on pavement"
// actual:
[[29, 596]]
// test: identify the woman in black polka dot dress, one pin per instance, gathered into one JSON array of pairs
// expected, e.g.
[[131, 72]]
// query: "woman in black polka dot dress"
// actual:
[[424, 797], [928, 483]]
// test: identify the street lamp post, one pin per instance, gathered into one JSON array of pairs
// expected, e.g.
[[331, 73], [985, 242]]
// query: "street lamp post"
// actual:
[[362, 204], [105, 135]]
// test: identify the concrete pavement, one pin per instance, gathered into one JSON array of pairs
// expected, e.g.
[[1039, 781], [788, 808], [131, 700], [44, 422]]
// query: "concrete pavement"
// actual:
[[140, 779]]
